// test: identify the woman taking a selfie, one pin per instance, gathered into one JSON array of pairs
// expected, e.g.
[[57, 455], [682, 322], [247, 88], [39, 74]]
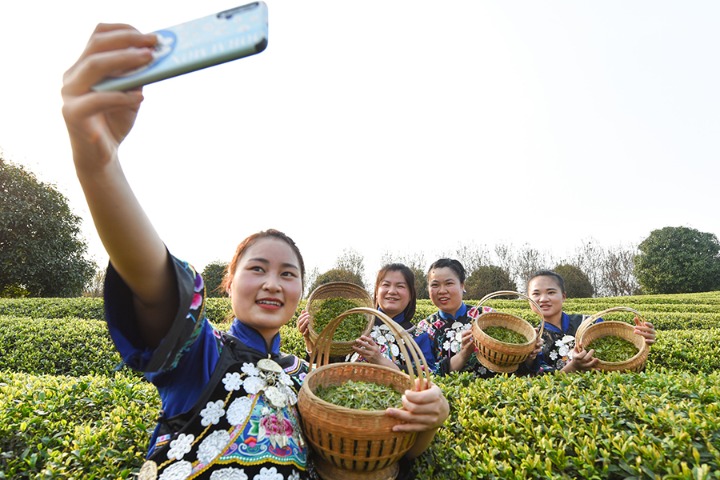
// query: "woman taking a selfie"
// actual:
[[229, 399]]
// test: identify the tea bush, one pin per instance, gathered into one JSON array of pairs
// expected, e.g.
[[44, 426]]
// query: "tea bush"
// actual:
[[592, 425], [73, 346], [68, 427], [87, 421], [82, 307], [62, 346]]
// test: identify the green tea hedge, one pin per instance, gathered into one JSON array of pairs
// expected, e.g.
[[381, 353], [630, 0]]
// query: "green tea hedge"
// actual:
[[592, 425], [91, 427], [73, 346], [83, 307], [663, 423], [62, 346]]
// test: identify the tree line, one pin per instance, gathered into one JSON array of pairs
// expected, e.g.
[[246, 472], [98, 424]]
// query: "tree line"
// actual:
[[42, 254]]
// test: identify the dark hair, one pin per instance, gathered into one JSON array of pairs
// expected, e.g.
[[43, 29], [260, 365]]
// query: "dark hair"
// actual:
[[548, 273], [452, 264], [409, 279], [249, 242]]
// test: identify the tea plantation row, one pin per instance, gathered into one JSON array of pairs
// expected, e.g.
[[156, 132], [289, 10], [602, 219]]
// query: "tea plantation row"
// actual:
[[65, 412]]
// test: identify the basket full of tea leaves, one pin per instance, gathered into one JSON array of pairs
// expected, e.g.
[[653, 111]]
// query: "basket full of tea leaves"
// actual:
[[503, 341], [612, 349], [342, 406], [505, 335], [361, 395], [617, 346], [330, 300], [351, 328]]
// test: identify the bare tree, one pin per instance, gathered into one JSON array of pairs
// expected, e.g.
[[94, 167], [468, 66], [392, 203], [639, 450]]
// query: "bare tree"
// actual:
[[618, 272], [472, 257], [310, 279], [352, 261], [528, 260], [590, 257], [96, 286], [505, 259]]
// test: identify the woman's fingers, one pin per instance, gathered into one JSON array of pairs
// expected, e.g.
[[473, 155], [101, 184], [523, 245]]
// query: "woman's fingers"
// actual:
[[80, 107], [422, 410], [116, 36], [90, 70], [303, 323], [367, 347], [647, 330], [112, 49]]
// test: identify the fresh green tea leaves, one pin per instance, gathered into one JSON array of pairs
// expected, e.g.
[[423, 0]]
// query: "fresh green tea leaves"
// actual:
[[505, 335], [612, 349], [350, 328], [361, 395]]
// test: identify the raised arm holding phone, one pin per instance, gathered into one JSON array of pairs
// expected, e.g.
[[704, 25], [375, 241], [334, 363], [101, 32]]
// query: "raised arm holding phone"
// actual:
[[229, 398]]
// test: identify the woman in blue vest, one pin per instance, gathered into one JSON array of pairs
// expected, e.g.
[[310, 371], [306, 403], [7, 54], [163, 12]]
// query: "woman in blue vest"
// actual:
[[228, 398], [547, 289]]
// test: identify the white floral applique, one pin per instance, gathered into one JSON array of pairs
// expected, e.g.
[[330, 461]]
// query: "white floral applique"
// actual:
[[177, 471], [239, 410], [180, 446], [294, 476], [253, 385], [250, 369], [212, 446], [229, 474], [453, 336], [565, 350], [268, 474], [387, 341], [212, 413], [233, 381]]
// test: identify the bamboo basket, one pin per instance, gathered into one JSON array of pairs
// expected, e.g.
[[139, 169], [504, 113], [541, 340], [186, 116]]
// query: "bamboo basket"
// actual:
[[357, 444], [345, 290], [501, 356], [589, 331]]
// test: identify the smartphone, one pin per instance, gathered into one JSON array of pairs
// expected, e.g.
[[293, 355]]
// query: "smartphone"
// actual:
[[228, 35]]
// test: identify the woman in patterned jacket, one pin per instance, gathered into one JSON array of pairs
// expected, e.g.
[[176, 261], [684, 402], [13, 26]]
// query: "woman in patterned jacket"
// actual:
[[228, 398], [547, 289]]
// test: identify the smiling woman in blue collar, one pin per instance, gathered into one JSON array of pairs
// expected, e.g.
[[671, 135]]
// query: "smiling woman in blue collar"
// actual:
[[396, 297], [229, 399], [445, 336], [547, 289]]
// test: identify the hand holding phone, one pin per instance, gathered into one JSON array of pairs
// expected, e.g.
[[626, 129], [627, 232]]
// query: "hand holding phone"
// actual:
[[197, 44]]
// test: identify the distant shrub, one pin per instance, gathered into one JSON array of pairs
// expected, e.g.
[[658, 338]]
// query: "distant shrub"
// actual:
[[58, 346]]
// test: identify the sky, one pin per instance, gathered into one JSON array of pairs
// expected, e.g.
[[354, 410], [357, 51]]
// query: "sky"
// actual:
[[398, 128]]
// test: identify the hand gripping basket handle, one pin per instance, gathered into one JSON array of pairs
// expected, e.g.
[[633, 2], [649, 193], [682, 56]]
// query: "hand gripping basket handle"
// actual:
[[593, 318], [510, 292], [417, 366]]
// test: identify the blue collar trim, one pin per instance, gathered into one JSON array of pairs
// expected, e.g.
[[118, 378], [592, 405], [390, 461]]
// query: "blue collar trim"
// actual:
[[399, 318], [460, 313], [564, 322], [252, 338]]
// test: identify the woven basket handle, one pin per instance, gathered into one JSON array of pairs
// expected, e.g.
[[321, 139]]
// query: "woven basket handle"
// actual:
[[593, 318], [510, 292], [417, 366]]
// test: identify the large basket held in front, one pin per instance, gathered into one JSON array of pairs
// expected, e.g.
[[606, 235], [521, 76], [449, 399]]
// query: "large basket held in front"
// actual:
[[345, 290], [350, 443], [588, 331], [501, 356]]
